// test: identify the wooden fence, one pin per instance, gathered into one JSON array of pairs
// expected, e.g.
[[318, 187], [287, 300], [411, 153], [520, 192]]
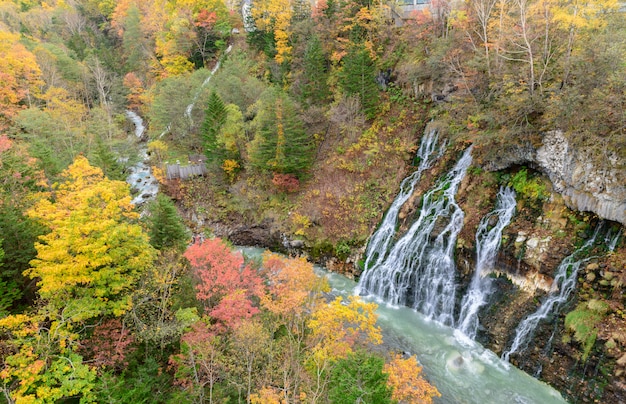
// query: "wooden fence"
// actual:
[[173, 171]]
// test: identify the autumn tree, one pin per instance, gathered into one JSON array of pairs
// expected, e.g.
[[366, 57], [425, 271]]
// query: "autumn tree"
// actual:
[[407, 383], [336, 329], [201, 363], [163, 303], [252, 347], [226, 285], [20, 77], [293, 292], [94, 253], [275, 16]]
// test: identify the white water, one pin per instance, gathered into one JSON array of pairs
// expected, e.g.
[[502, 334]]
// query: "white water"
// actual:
[[140, 178], [378, 244], [562, 286], [463, 371], [206, 81], [487, 245], [612, 239], [419, 271]]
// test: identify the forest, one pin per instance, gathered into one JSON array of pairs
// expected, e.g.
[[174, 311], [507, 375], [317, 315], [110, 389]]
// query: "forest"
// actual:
[[306, 117]]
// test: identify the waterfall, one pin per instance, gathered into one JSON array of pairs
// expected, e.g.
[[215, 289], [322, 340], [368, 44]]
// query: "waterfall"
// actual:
[[612, 238], [204, 83], [419, 271], [378, 244], [487, 245], [563, 284]]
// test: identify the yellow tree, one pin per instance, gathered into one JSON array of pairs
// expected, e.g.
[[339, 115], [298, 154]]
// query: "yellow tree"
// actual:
[[408, 385], [294, 289], [293, 292], [20, 76], [335, 329], [576, 17], [275, 16], [91, 258]]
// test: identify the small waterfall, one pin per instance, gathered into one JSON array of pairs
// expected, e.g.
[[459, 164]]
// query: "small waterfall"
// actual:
[[612, 238], [140, 128], [140, 178], [562, 286], [378, 244], [204, 83], [419, 271], [487, 245]]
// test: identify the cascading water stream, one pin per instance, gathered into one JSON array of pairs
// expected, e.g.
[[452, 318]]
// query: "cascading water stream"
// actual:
[[140, 178], [612, 238], [419, 271], [206, 81], [562, 286], [378, 244], [487, 245]]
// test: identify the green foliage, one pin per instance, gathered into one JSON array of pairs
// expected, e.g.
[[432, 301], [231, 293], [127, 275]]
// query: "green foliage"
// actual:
[[19, 235], [166, 228], [357, 78], [106, 160], [280, 143], [143, 382], [315, 76], [583, 322], [214, 119], [359, 378], [237, 83], [529, 187]]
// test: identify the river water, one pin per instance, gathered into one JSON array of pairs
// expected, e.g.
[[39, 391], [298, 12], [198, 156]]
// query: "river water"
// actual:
[[462, 370]]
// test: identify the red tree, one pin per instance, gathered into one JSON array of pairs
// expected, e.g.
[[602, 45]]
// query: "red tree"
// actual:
[[225, 285]]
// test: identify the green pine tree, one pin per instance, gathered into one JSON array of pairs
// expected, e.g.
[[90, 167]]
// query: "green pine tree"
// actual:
[[19, 234], [214, 119], [166, 228], [280, 144], [315, 87], [104, 158], [358, 78]]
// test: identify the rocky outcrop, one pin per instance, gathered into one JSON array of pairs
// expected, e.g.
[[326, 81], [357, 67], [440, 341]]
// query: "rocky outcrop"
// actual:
[[587, 181]]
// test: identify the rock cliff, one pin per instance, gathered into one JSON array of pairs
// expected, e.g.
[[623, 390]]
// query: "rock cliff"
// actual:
[[589, 179]]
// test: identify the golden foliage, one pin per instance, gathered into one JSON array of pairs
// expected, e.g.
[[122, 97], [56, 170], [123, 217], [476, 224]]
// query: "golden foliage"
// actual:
[[408, 385], [337, 327]]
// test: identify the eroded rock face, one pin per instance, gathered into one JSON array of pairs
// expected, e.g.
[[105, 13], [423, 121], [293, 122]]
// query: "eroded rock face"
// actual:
[[587, 182]]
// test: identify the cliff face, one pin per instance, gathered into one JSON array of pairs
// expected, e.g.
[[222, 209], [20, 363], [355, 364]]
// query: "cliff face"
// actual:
[[589, 179]]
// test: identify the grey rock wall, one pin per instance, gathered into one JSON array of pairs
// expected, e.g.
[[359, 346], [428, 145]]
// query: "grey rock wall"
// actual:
[[586, 182]]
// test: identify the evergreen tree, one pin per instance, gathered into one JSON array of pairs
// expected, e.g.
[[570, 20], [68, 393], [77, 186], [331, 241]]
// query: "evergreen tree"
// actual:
[[132, 40], [280, 143], [315, 87], [215, 117], [359, 378], [104, 158], [357, 78], [166, 229], [19, 234]]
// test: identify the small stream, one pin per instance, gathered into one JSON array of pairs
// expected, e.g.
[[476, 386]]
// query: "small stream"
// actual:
[[140, 178], [461, 369]]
